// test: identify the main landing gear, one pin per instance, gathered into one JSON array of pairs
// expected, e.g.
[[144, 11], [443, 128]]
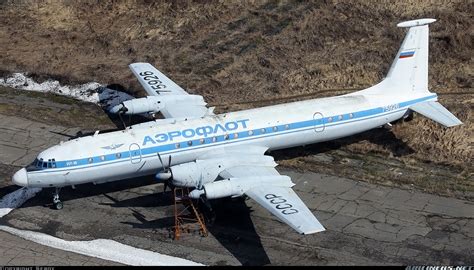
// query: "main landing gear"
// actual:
[[57, 204]]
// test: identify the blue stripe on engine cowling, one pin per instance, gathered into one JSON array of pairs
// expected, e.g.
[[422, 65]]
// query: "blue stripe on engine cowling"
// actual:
[[124, 156]]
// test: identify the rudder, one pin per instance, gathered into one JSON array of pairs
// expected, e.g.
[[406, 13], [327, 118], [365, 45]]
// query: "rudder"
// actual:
[[409, 70]]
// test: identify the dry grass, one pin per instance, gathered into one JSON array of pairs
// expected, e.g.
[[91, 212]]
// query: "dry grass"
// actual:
[[240, 51]]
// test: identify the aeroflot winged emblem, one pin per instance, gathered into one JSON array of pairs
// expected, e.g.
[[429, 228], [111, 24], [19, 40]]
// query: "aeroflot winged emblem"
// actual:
[[112, 146]]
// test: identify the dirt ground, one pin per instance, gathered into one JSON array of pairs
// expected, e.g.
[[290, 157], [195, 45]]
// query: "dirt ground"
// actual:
[[367, 224], [247, 54]]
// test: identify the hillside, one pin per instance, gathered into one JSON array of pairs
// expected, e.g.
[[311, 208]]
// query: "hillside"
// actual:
[[234, 53]]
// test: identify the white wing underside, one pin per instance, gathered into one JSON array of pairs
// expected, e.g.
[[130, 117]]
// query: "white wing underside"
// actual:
[[280, 200], [156, 83]]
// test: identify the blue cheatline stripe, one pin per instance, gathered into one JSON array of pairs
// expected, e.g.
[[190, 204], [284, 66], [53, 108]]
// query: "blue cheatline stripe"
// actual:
[[407, 53], [241, 136]]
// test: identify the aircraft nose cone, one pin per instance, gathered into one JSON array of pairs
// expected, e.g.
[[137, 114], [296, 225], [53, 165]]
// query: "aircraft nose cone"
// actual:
[[20, 178]]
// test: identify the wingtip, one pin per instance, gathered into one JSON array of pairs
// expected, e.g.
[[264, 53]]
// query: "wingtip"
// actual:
[[418, 22], [316, 230]]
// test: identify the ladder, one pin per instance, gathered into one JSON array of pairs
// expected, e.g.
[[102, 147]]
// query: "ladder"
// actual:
[[186, 216]]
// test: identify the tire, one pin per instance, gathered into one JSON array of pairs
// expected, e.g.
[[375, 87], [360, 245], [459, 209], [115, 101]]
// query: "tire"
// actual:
[[58, 205]]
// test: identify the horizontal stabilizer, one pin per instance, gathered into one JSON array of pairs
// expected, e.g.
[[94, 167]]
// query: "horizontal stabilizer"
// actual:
[[436, 112]]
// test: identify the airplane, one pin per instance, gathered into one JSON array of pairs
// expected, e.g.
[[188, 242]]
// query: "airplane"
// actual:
[[223, 155]]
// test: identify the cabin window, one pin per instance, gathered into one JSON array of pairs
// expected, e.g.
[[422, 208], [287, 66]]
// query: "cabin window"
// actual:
[[45, 164], [118, 155], [177, 145], [250, 132], [275, 128], [340, 117], [214, 139], [226, 137], [190, 143], [90, 160], [102, 158], [236, 135], [351, 115], [287, 126], [329, 119], [263, 130], [202, 140]]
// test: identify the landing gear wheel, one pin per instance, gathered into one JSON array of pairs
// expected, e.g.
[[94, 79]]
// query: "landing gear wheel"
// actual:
[[58, 205]]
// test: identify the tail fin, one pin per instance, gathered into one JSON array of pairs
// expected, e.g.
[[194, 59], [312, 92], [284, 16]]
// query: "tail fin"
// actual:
[[409, 70]]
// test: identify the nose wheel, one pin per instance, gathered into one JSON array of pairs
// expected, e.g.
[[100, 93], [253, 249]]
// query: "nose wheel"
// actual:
[[57, 204]]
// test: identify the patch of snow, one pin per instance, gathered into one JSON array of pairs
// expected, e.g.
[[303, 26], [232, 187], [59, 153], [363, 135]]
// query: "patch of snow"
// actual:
[[103, 249], [90, 92], [16, 199]]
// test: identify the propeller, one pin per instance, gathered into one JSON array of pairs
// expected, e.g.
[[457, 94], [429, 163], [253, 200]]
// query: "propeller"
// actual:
[[120, 113], [165, 175], [209, 213], [202, 193]]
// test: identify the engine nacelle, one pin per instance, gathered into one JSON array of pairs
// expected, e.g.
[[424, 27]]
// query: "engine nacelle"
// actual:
[[234, 187], [151, 104], [193, 174], [154, 104], [199, 172]]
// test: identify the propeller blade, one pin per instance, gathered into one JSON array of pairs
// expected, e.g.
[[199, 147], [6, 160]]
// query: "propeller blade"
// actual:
[[161, 161], [121, 120], [200, 182], [165, 185], [169, 161]]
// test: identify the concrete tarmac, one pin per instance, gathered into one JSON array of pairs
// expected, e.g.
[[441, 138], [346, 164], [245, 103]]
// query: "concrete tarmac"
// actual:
[[19, 252], [366, 223]]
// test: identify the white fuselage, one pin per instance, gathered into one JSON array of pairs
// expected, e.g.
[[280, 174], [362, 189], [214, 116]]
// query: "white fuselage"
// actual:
[[133, 152]]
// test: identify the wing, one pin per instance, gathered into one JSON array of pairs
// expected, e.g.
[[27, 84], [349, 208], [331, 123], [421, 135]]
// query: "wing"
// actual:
[[279, 199], [177, 103], [154, 82]]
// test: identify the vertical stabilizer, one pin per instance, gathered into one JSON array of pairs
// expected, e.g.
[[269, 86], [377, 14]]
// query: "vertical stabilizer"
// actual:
[[409, 70]]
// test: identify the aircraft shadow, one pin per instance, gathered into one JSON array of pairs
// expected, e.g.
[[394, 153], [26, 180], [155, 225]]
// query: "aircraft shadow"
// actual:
[[380, 136], [8, 189], [235, 230], [161, 223], [157, 199], [44, 198], [232, 227]]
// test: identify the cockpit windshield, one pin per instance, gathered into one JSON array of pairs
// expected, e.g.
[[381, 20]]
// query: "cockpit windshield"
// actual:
[[40, 164]]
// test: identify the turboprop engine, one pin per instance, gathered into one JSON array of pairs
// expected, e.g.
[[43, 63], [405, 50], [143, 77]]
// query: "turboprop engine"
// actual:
[[154, 104], [234, 187], [194, 174], [200, 172], [151, 104]]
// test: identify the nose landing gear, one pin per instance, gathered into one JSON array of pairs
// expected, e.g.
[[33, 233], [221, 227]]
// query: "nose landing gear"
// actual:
[[57, 204]]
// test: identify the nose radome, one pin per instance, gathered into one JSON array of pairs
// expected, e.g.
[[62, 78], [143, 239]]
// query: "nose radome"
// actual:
[[20, 178]]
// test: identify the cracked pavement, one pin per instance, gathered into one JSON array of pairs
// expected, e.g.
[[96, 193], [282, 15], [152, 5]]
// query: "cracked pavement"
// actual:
[[366, 223]]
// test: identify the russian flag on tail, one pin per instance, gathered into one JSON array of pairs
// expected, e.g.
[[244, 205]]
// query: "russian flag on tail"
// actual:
[[406, 54]]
